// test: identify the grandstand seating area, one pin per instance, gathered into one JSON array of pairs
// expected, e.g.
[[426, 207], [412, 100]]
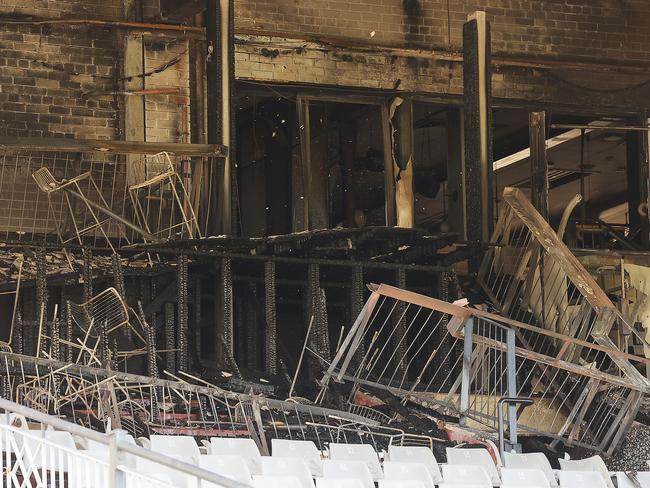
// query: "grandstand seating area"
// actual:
[[292, 464]]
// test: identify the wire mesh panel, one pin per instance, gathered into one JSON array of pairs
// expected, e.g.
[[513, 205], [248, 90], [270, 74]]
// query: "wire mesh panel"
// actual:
[[466, 360], [46, 205]]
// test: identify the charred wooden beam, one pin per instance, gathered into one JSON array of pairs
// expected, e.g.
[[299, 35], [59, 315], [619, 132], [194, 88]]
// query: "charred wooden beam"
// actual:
[[538, 162], [9, 143]]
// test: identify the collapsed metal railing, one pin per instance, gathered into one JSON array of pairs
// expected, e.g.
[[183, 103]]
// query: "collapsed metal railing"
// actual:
[[530, 275], [463, 361], [143, 406]]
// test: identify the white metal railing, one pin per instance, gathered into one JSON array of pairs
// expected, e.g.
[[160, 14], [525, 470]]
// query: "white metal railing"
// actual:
[[34, 459]]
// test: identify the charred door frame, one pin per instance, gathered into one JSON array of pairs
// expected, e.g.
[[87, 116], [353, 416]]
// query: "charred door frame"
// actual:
[[302, 170]]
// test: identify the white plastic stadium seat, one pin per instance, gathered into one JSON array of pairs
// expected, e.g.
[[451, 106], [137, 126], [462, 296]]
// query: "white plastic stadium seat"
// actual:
[[178, 478], [276, 482], [245, 448], [533, 460], [299, 449], [178, 445], [593, 463], [348, 469], [474, 457], [581, 479], [357, 452], [459, 475], [233, 467], [338, 483], [400, 484], [530, 478], [416, 454], [394, 470], [624, 481], [288, 467]]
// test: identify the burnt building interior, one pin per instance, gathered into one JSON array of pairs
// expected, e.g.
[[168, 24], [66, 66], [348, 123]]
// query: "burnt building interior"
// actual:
[[383, 221]]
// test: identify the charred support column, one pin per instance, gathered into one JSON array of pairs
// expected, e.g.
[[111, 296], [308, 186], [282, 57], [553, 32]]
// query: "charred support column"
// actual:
[[170, 337], [224, 335], [220, 59], [399, 340], [87, 274], [456, 195], [319, 337], [270, 315], [478, 127], [182, 311], [41, 296], [198, 296], [356, 305], [250, 322], [538, 162], [637, 180]]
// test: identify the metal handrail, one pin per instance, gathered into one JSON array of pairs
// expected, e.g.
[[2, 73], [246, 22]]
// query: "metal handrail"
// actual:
[[115, 446], [513, 435]]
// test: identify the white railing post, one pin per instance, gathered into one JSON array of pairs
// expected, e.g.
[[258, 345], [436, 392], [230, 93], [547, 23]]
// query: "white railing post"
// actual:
[[115, 459]]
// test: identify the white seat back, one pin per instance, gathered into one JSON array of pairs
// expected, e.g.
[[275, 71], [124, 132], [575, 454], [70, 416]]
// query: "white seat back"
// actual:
[[175, 445], [288, 467], [348, 469], [459, 475], [400, 484], [581, 479], [474, 457], [533, 460], [530, 478], [60, 438], [178, 479], [233, 467], [416, 454], [357, 452], [642, 477], [593, 463], [338, 483], [299, 449], [394, 470], [276, 482], [245, 448]]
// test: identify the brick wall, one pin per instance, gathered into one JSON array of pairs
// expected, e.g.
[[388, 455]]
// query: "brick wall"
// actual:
[[598, 31], [168, 115], [595, 29]]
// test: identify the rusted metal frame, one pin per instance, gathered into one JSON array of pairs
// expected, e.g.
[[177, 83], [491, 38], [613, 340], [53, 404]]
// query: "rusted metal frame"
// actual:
[[556, 249], [613, 352], [592, 388], [624, 423], [558, 363], [351, 341], [420, 300], [625, 366]]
